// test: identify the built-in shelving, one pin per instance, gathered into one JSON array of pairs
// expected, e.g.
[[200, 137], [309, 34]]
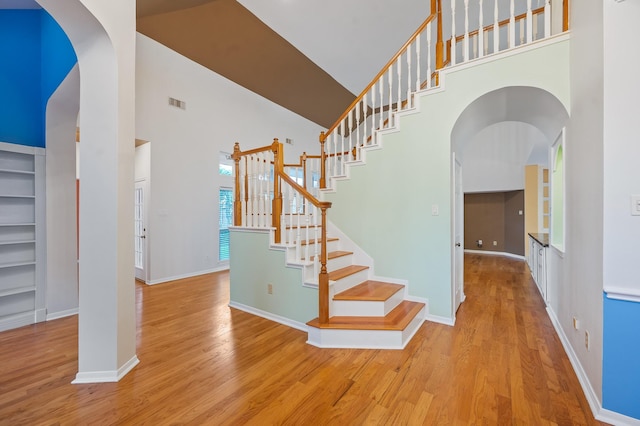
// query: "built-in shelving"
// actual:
[[21, 230]]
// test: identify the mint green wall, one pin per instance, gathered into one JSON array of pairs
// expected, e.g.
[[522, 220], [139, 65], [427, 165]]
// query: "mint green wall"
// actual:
[[386, 206], [253, 266]]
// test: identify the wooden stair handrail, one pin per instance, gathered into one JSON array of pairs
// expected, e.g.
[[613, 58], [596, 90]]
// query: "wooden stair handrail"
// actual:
[[384, 69]]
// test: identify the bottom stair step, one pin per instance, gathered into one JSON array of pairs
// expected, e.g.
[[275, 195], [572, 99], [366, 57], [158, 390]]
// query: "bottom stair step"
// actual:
[[398, 319], [392, 331]]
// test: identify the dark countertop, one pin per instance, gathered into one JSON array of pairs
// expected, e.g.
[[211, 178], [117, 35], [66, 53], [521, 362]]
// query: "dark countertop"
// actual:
[[541, 238]]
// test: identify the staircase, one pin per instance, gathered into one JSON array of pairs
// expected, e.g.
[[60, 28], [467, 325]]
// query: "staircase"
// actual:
[[356, 308], [365, 313]]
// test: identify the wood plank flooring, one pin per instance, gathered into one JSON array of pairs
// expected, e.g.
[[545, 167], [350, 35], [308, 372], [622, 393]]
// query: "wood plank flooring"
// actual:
[[202, 363]]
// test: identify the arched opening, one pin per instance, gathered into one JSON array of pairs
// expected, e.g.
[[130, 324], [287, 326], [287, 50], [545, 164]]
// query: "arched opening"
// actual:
[[494, 139]]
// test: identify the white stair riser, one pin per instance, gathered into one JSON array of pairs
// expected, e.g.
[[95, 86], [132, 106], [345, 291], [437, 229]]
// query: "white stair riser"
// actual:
[[350, 281], [365, 339], [339, 262], [366, 308]]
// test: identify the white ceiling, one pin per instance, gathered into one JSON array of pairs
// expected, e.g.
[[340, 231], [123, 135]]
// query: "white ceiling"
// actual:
[[338, 35]]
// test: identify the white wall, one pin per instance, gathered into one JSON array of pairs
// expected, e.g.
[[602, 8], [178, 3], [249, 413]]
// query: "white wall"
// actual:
[[494, 159], [186, 145], [579, 268], [62, 266], [622, 149]]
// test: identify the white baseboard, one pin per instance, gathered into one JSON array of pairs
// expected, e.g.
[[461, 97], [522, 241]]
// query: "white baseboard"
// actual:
[[496, 253], [268, 315], [62, 314], [599, 413], [106, 376], [440, 320], [189, 275]]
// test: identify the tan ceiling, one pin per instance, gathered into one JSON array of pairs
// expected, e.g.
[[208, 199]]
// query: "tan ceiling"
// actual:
[[225, 37]]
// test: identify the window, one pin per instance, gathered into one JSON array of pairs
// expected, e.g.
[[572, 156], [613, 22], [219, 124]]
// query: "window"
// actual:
[[226, 220], [557, 194], [225, 166]]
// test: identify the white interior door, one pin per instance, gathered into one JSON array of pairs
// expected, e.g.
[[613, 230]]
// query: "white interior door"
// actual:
[[458, 250], [140, 244]]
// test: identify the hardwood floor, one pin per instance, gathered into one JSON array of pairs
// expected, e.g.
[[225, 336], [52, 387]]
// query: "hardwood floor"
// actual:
[[204, 363]]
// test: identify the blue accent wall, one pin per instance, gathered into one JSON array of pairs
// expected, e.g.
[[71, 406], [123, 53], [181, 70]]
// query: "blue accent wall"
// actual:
[[621, 357], [35, 57]]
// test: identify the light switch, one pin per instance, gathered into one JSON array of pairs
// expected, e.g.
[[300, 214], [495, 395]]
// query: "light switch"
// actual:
[[519, 212], [435, 211], [635, 205]]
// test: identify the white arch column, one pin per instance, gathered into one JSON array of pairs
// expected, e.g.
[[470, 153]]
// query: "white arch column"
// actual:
[[103, 36]]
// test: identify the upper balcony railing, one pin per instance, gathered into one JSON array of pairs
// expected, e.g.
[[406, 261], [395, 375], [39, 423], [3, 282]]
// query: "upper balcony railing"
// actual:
[[416, 67]]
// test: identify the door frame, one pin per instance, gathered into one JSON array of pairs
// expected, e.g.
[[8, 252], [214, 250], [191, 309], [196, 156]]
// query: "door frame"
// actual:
[[457, 238], [143, 274]]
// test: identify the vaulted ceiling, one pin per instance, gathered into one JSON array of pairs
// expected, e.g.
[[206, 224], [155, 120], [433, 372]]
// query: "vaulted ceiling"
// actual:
[[312, 57]]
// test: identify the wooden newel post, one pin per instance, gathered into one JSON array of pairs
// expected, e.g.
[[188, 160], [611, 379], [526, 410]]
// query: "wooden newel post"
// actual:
[[278, 167], [565, 15], [439, 42], [303, 161], [323, 278], [237, 202], [323, 162]]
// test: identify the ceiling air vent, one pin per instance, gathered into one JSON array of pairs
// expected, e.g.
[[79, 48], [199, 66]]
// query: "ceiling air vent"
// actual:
[[177, 103]]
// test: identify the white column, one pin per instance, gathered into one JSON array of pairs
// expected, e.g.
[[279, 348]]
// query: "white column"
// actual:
[[103, 36]]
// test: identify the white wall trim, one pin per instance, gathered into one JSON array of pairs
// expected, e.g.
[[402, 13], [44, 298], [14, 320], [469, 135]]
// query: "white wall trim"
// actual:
[[268, 315], [622, 293], [106, 376], [496, 253], [440, 320], [189, 275], [22, 149], [62, 314], [617, 419]]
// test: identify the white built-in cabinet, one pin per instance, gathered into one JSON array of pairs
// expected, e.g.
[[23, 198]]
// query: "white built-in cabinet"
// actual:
[[22, 235], [537, 260]]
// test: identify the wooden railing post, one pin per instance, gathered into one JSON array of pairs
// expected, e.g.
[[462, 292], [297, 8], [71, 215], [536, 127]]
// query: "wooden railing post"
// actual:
[[237, 202], [565, 15], [323, 278], [323, 162], [276, 210]]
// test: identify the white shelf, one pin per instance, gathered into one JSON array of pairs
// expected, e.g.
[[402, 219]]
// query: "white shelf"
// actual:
[[18, 172], [20, 290], [16, 264], [17, 196], [8, 243]]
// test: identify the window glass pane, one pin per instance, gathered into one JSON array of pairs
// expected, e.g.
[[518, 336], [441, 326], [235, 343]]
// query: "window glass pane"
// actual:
[[225, 164], [225, 220]]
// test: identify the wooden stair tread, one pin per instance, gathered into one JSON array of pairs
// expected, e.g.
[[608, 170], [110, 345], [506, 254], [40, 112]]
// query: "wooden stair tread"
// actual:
[[312, 241], [378, 291], [335, 254], [396, 320], [345, 272]]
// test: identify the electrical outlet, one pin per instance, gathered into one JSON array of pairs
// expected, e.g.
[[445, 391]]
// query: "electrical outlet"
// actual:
[[587, 339], [495, 243], [269, 288], [576, 323]]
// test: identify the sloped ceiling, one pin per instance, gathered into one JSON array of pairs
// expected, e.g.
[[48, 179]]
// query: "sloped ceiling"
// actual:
[[312, 57]]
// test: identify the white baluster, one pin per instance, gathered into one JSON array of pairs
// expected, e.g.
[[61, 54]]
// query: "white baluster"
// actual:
[[316, 257], [390, 74], [365, 128], [342, 126], [465, 45], [243, 174], [522, 22], [453, 32], [291, 209], [481, 33], [358, 129], [373, 111], [250, 186], [351, 142], [547, 19], [409, 82], [298, 230], [418, 83], [259, 190], [485, 37], [429, 55], [381, 93], [496, 28], [399, 69], [535, 27], [529, 22], [512, 25], [308, 223], [475, 46]]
